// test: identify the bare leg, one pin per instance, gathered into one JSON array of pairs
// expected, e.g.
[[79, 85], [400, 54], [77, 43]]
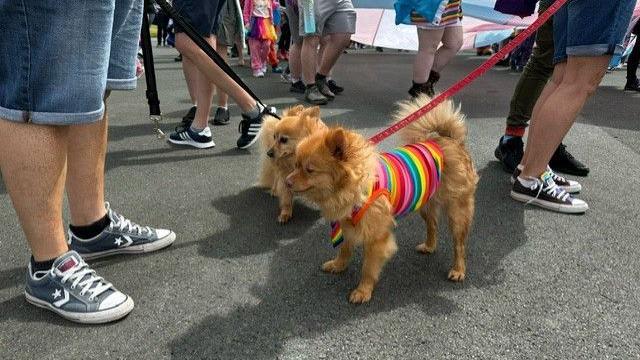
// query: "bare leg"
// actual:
[[190, 76], [223, 98], [86, 151], [332, 51], [213, 73], [550, 88], [309, 56], [451, 44], [295, 65], [33, 163], [240, 48], [428, 41], [558, 113]]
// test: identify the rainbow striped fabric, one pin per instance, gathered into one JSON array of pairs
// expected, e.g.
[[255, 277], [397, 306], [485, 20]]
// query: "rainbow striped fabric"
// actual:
[[450, 14], [408, 176]]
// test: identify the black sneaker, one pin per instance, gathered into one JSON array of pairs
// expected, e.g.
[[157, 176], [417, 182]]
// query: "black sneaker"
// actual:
[[221, 117], [334, 87], [250, 128], [546, 194], [510, 153], [201, 140], [298, 87], [423, 88], [187, 119], [562, 161], [567, 185], [632, 85]]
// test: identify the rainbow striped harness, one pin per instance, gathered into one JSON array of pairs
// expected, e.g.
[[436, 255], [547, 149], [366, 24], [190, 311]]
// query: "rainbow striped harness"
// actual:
[[408, 176]]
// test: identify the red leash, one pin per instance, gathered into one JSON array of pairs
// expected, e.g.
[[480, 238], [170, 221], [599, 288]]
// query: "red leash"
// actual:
[[479, 71]]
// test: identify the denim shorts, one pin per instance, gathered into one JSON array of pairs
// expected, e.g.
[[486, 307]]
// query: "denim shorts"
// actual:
[[203, 15], [591, 28], [58, 58]]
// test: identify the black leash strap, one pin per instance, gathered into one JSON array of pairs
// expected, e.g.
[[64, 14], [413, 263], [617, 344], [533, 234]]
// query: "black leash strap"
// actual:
[[150, 75], [204, 45]]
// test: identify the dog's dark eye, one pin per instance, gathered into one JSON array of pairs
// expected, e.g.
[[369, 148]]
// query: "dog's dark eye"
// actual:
[[309, 170], [283, 140]]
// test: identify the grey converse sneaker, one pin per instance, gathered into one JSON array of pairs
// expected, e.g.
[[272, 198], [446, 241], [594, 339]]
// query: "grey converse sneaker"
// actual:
[[567, 185], [545, 193], [121, 237], [73, 290]]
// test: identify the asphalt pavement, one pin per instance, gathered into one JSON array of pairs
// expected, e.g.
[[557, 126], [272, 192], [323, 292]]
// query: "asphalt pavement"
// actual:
[[236, 285]]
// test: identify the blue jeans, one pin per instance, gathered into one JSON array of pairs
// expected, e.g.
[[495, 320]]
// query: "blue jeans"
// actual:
[[57, 58], [591, 28]]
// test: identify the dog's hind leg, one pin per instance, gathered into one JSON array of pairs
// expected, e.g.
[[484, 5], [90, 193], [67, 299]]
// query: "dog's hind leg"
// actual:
[[460, 214], [430, 213]]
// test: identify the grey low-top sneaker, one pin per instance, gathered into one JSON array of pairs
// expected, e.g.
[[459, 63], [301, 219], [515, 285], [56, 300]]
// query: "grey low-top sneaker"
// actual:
[[72, 290], [324, 88], [313, 96], [122, 236]]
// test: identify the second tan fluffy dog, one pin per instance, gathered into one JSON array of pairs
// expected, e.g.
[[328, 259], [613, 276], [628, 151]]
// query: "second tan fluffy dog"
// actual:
[[279, 140], [337, 168]]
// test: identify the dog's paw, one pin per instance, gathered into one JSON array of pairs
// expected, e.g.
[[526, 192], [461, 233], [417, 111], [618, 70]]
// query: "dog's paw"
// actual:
[[424, 249], [334, 267], [456, 275], [360, 296], [284, 217]]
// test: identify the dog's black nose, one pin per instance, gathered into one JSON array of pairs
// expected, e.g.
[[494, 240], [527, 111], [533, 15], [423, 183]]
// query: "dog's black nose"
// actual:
[[270, 153]]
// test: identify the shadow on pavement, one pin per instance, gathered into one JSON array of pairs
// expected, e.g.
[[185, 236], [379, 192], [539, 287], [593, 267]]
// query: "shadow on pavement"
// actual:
[[264, 235], [299, 301]]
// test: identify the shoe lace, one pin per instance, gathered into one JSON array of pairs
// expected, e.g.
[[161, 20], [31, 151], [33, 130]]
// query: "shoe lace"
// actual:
[[550, 188], [81, 275], [121, 223]]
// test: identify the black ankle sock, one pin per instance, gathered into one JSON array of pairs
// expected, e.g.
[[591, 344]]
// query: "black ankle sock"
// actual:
[[91, 230], [320, 77], [41, 265], [308, 86]]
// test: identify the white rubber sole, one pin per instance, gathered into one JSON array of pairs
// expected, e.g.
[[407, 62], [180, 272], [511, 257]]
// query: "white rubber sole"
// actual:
[[570, 189], [98, 317], [198, 145], [566, 209], [136, 249]]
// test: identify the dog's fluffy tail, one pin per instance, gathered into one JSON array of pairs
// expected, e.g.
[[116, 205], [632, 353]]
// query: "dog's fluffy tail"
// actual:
[[445, 120]]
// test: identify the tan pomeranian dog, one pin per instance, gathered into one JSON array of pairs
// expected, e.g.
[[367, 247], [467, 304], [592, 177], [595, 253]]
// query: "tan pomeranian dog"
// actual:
[[361, 191], [279, 140]]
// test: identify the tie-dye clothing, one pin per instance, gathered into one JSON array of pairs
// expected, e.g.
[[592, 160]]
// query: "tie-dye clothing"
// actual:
[[408, 176]]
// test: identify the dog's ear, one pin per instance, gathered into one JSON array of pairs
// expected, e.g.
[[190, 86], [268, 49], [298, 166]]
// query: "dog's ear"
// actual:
[[294, 111], [336, 142], [312, 112]]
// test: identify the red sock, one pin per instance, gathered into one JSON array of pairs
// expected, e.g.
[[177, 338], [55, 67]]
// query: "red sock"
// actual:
[[515, 131]]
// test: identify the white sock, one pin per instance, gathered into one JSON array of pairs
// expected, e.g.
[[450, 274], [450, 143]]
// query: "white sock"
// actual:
[[255, 112], [529, 182]]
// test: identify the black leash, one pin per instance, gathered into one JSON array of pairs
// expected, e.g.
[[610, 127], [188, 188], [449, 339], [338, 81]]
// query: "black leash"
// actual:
[[204, 45], [150, 74]]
